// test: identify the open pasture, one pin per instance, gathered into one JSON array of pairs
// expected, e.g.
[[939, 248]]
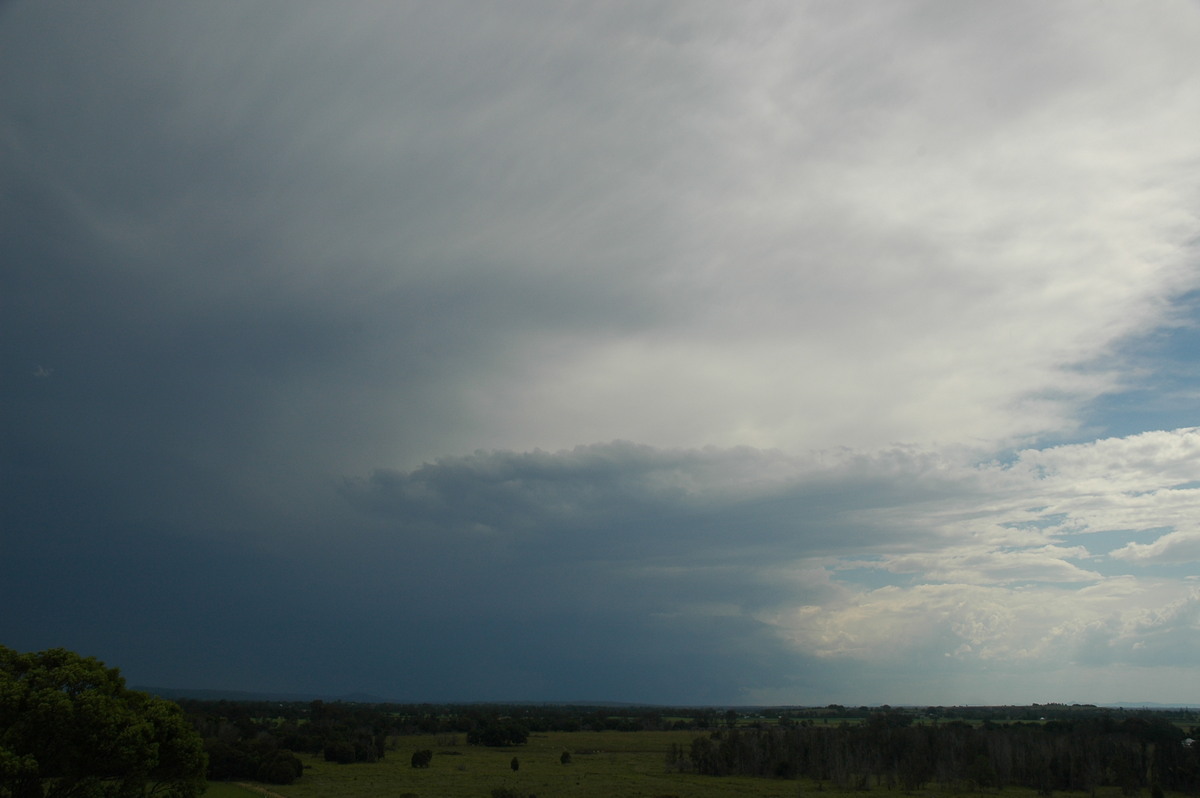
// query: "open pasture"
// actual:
[[608, 764]]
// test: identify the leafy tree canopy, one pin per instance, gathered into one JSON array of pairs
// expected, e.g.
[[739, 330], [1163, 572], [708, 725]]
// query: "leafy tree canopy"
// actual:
[[69, 728], [498, 732]]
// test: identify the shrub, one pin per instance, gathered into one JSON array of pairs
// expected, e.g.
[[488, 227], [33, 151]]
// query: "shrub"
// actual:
[[282, 768], [343, 753]]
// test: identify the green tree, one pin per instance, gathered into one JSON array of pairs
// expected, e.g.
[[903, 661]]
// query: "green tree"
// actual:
[[69, 728], [498, 732], [341, 752]]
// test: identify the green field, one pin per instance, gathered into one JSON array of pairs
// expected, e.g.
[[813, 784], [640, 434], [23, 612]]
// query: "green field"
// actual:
[[607, 764], [612, 764], [217, 789]]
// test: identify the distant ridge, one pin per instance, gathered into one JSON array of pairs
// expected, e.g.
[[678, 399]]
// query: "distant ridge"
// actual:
[[174, 693]]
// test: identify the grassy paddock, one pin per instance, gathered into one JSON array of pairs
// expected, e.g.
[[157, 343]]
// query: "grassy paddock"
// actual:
[[223, 789], [606, 764]]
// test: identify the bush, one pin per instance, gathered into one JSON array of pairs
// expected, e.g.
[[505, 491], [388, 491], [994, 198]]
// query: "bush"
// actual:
[[283, 768], [343, 753], [498, 733]]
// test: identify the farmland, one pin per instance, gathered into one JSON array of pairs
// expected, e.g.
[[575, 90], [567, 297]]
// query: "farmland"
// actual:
[[605, 763], [347, 751], [612, 764]]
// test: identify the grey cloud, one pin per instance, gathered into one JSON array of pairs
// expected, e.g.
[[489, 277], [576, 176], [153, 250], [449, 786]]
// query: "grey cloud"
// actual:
[[273, 272], [244, 244], [724, 499], [546, 225], [1157, 634]]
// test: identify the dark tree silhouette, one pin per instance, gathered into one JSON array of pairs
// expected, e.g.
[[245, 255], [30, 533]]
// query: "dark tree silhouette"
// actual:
[[69, 726]]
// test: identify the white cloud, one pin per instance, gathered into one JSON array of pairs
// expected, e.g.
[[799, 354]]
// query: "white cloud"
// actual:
[[1173, 547], [934, 620], [1140, 482], [1013, 577], [995, 566], [1129, 485], [966, 238], [1118, 620]]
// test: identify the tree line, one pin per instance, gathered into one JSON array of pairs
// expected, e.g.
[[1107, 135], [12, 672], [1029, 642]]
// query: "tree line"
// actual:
[[889, 750], [260, 740], [70, 727], [461, 719]]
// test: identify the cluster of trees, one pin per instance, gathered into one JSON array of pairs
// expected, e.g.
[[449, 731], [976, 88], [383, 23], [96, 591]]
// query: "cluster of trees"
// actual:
[[357, 732], [70, 727], [1184, 716], [452, 719], [888, 749], [498, 732], [259, 740], [256, 760], [542, 718]]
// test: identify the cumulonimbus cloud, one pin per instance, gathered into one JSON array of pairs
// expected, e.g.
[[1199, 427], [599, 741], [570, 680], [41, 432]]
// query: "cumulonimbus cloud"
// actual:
[[678, 229]]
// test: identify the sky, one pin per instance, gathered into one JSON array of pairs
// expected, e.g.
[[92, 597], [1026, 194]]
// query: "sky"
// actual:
[[662, 352]]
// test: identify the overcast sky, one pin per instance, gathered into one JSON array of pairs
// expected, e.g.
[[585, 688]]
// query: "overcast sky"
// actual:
[[668, 352]]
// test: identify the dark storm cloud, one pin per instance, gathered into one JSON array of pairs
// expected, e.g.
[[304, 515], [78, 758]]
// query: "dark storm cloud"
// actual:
[[270, 273], [674, 503], [392, 233], [239, 252], [604, 549]]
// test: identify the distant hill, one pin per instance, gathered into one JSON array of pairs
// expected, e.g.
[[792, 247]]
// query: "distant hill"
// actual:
[[175, 693]]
